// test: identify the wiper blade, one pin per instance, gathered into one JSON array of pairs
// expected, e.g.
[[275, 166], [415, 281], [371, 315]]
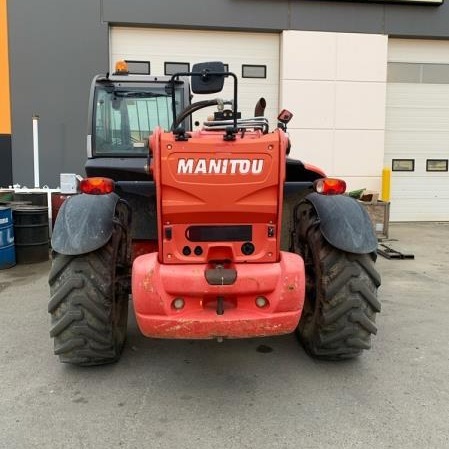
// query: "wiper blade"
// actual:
[[139, 94]]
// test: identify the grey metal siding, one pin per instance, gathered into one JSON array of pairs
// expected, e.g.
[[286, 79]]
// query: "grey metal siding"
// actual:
[[6, 163], [225, 14], [56, 47], [310, 15], [417, 21], [337, 16]]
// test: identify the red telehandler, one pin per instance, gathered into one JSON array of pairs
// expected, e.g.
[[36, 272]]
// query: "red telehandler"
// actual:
[[213, 233]]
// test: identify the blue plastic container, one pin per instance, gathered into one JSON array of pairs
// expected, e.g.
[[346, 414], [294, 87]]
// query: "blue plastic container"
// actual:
[[7, 250]]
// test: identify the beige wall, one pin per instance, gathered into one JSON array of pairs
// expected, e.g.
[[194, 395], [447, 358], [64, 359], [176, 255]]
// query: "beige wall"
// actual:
[[335, 84]]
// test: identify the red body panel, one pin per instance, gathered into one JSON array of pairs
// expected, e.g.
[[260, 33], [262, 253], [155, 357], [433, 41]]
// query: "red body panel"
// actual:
[[207, 180], [156, 285], [219, 206]]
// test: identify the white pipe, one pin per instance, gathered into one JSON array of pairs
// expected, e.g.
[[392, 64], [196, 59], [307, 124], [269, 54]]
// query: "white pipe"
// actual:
[[36, 150]]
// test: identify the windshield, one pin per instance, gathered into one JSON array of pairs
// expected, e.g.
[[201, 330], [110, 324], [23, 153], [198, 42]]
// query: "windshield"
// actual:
[[124, 117]]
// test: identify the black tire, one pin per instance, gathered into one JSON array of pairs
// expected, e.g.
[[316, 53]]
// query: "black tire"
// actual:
[[341, 294], [89, 300]]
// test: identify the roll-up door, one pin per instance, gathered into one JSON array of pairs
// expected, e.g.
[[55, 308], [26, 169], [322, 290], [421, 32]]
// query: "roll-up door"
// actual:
[[417, 129]]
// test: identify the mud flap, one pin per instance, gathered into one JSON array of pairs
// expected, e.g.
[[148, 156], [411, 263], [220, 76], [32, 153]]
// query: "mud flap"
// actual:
[[84, 223], [344, 223]]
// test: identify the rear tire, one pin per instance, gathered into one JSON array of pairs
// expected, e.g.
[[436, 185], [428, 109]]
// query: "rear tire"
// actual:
[[341, 294], [89, 300]]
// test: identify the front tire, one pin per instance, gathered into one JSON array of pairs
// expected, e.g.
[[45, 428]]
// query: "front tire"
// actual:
[[341, 294], [89, 300]]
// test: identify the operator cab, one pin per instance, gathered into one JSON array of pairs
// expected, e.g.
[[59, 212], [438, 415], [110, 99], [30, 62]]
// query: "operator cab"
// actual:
[[124, 110]]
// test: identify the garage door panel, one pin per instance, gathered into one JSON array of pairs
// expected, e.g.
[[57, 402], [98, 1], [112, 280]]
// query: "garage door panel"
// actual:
[[410, 119], [417, 127], [406, 95], [407, 210], [193, 43], [420, 143], [437, 187]]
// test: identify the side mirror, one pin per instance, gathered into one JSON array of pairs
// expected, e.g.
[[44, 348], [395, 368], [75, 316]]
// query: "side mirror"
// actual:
[[210, 78]]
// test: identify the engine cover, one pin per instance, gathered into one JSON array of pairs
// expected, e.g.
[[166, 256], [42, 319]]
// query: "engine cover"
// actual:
[[219, 200]]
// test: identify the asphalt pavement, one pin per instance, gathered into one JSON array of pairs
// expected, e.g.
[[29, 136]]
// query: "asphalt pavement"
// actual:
[[257, 393]]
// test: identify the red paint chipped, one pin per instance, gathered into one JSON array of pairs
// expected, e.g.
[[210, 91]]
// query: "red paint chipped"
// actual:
[[155, 285]]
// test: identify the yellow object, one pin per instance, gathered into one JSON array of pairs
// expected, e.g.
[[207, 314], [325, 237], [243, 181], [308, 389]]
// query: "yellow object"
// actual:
[[386, 184], [5, 111]]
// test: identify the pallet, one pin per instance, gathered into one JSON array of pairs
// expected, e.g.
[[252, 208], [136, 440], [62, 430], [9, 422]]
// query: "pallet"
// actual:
[[390, 253]]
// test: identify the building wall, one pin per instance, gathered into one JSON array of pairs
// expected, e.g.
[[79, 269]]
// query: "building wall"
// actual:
[[337, 16], [56, 46], [335, 83]]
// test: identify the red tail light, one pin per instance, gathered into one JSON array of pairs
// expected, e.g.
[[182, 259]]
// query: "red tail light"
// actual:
[[329, 186], [97, 186]]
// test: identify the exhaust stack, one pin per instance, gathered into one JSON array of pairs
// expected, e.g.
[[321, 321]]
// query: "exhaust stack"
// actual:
[[260, 107]]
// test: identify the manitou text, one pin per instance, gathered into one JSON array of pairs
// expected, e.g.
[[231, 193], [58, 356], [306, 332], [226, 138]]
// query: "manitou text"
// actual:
[[220, 166]]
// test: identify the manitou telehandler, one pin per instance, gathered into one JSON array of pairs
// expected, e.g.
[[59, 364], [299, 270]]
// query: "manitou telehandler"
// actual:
[[214, 233]]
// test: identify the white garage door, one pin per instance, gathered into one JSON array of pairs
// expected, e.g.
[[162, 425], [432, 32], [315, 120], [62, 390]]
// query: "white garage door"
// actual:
[[253, 57], [417, 129]]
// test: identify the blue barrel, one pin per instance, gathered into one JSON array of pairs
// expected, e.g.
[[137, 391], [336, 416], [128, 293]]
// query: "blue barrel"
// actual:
[[7, 250]]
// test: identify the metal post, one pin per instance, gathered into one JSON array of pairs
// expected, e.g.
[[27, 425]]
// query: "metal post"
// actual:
[[36, 150]]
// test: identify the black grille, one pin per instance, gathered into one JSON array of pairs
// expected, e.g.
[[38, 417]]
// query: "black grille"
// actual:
[[240, 233]]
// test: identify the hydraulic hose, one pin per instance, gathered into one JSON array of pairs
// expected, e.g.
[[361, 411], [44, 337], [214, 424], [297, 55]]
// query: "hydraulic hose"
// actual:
[[195, 107]]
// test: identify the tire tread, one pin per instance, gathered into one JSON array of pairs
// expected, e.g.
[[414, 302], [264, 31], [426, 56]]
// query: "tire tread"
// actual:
[[341, 317], [82, 307]]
